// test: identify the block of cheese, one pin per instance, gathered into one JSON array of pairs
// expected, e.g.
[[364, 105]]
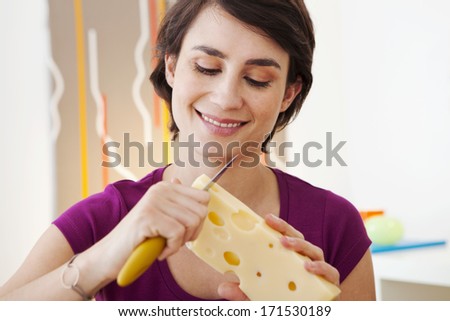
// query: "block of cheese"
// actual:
[[236, 239]]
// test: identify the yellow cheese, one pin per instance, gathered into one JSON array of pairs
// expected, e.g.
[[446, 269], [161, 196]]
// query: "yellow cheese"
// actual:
[[236, 239]]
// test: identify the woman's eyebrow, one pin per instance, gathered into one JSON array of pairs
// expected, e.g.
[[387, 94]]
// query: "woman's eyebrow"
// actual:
[[264, 62], [210, 51]]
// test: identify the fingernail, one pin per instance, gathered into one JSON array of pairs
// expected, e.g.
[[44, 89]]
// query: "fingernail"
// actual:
[[175, 180], [220, 289], [289, 239], [274, 217]]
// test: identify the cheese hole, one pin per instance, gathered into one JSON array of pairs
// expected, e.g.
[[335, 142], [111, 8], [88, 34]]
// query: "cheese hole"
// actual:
[[230, 276], [231, 258], [292, 286], [244, 220], [209, 252], [221, 234], [215, 219]]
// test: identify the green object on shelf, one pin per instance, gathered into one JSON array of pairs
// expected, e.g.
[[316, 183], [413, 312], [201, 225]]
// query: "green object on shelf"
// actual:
[[384, 230]]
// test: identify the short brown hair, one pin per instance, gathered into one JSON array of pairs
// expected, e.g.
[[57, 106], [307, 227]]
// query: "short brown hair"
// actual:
[[285, 21]]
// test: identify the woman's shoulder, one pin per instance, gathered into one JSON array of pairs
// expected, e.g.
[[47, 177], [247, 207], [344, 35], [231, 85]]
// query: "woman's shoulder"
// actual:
[[130, 192], [90, 219], [300, 190]]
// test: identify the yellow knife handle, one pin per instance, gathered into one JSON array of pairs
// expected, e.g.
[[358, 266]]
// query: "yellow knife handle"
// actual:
[[140, 260]]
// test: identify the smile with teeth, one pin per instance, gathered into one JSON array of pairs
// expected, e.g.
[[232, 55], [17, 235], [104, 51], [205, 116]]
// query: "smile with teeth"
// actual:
[[216, 123]]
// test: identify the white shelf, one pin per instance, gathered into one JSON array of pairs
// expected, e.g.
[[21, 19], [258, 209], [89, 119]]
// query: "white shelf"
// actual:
[[421, 266]]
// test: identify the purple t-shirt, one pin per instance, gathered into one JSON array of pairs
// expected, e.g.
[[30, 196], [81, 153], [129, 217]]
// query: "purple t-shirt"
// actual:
[[325, 219]]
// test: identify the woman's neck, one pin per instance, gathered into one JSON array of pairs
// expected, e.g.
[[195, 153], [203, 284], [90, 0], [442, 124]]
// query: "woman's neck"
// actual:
[[244, 179]]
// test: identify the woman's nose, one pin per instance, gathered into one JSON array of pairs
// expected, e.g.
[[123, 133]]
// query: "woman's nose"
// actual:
[[227, 94]]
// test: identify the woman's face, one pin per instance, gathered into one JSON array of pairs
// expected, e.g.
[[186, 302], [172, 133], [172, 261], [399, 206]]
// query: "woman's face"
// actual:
[[229, 82]]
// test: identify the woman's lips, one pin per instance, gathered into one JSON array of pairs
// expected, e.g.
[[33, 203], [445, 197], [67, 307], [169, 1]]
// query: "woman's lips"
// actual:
[[222, 127]]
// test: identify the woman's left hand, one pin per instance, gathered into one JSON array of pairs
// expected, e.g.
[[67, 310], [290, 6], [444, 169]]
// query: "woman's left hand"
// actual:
[[293, 240]]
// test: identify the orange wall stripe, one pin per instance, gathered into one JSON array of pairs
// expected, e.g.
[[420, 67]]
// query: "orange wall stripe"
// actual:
[[79, 33], [153, 14]]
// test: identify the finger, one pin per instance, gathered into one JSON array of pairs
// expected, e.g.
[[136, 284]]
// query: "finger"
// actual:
[[186, 226], [174, 240], [325, 270], [166, 222], [190, 214], [282, 226], [303, 247], [188, 191], [178, 226], [231, 291], [169, 228], [172, 191], [191, 206]]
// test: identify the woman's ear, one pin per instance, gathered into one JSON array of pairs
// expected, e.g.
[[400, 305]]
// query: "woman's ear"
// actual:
[[291, 92], [170, 63]]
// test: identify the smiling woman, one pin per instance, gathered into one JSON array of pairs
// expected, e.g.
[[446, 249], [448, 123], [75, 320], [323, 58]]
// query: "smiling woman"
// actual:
[[232, 72], [294, 35], [238, 77]]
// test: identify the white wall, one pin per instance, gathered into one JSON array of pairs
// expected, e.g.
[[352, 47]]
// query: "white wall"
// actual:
[[26, 175], [324, 110], [382, 83]]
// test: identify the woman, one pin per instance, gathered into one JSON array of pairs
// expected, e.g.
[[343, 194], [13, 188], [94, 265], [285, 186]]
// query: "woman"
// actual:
[[232, 72]]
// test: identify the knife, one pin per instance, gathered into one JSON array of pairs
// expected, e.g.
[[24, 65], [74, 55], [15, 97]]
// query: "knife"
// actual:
[[146, 253]]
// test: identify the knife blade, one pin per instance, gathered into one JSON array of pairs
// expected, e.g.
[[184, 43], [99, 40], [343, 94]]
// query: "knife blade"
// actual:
[[146, 253], [219, 173]]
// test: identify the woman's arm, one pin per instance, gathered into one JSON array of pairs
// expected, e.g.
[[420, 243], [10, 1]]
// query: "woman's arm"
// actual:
[[170, 210], [359, 285], [39, 277]]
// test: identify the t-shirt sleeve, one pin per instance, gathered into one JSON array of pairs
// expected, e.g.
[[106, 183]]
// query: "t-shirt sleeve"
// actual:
[[89, 220], [345, 236]]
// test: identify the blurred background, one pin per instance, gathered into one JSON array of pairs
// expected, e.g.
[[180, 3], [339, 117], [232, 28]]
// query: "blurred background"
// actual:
[[74, 75]]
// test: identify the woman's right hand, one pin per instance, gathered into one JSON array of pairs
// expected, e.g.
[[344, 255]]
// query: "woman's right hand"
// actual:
[[171, 210]]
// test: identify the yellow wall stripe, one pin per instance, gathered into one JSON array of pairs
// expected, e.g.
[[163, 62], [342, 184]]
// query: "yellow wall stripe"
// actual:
[[79, 34], [162, 9], [166, 132]]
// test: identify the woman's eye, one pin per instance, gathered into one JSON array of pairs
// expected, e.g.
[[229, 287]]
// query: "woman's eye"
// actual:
[[213, 72], [206, 71], [259, 84]]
